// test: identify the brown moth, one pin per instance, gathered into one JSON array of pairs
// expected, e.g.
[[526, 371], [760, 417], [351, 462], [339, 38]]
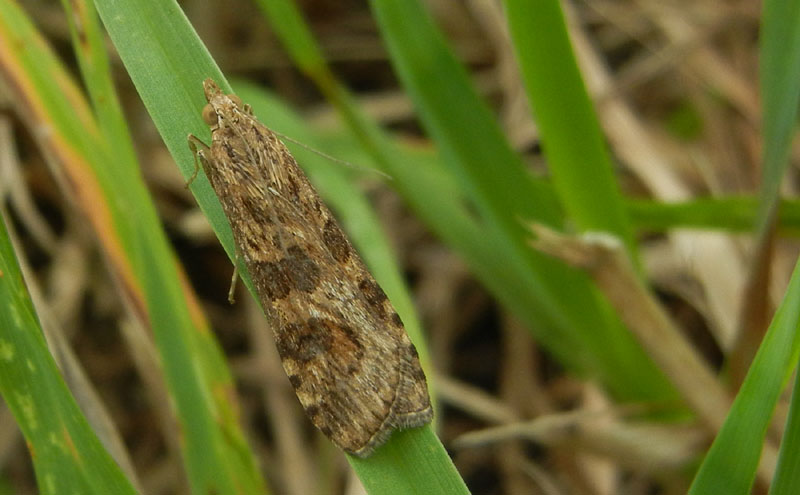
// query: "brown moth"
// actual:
[[341, 342]]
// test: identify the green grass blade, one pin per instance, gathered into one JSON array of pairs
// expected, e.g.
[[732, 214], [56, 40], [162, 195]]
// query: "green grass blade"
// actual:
[[733, 214], [107, 184], [445, 210], [296, 37], [410, 464], [167, 63], [215, 452], [779, 74], [787, 475], [464, 129], [67, 456], [573, 142], [730, 465], [490, 255], [565, 312], [90, 51], [745, 427], [216, 456]]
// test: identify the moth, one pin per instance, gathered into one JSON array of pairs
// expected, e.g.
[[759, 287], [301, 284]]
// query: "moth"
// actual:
[[342, 344]]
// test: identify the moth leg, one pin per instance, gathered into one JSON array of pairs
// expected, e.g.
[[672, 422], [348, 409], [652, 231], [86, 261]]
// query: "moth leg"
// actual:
[[234, 279], [198, 150]]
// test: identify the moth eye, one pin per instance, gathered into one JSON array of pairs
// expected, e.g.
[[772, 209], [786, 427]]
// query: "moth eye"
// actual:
[[209, 115], [236, 100]]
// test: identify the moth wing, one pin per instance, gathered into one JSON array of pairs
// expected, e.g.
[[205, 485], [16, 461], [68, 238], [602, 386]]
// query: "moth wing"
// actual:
[[342, 345]]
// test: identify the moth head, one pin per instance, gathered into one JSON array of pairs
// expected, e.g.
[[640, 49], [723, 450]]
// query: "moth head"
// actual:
[[210, 115]]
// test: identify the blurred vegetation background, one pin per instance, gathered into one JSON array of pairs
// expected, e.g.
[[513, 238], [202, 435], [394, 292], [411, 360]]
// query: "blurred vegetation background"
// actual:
[[486, 144]]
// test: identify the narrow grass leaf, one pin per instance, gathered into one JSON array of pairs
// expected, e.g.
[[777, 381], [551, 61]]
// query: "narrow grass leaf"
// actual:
[[733, 214], [731, 463], [67, 456], [567, 315], [787, 475], [573, 142], [108, 186], [90, 51], [296, 37], [779, 74]]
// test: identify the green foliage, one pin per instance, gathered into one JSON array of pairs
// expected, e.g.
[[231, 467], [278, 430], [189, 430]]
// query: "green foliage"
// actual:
[[101, 166], [558, 304], [474, 193], [577, 158], [68, 456], [731, 464], [779, 72]]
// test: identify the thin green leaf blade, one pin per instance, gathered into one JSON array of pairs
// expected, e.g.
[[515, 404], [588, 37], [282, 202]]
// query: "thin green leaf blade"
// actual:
[[67, 456], [732, 214], [787, 475], [410, 464], [746, 425], [779, 74], [572, 139], [559, 304], [108, 180]]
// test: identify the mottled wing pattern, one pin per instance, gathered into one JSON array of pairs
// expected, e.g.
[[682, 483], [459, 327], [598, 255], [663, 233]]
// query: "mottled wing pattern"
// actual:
[[342, 344]]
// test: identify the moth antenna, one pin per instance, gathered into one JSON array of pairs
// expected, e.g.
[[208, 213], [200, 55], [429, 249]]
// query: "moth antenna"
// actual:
[[333, 158]]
